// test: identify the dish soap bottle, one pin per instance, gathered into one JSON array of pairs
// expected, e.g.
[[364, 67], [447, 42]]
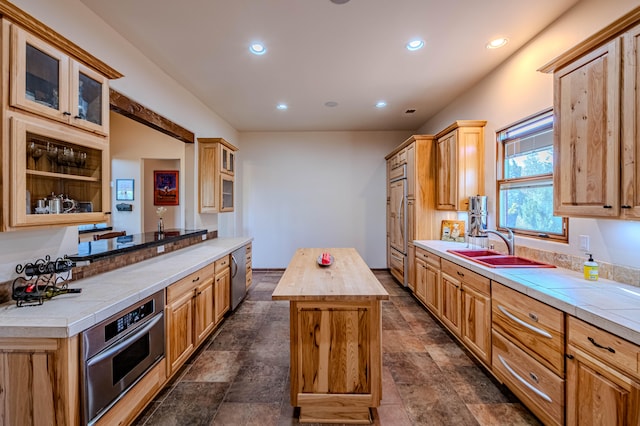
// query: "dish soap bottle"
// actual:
[[590, 269]]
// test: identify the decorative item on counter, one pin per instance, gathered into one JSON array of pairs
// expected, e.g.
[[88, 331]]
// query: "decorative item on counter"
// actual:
[[160, 211], [325, 259], [452, 230], [42, 280], [590, 269]]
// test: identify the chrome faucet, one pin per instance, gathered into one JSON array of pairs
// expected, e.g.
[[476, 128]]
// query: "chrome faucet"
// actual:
[[509, 241]]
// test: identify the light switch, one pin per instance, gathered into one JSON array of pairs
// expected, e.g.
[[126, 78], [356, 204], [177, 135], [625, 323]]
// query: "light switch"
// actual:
[[584, 242]]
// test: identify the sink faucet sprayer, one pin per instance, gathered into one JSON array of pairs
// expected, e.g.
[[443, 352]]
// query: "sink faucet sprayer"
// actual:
[[509, 241]]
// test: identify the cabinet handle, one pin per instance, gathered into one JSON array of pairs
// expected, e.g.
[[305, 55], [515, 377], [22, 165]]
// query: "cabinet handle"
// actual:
[[77, 117], [534, 377], [460, 274], [597, 345], [66, 113], [524, 324], [625, 207], [195, 280], [523, 381], [569, 356], [607, 207], [533, 316]]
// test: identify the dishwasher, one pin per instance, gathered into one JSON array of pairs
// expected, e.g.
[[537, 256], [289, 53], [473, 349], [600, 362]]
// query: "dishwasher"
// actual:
[[238, 276]]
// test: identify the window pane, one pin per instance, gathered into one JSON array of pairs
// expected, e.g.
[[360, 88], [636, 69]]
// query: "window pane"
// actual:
[[529, 206], [529, 156]]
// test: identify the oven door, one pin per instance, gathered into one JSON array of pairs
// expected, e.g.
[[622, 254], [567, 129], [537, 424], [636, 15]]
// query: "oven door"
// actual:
[[110, 373]]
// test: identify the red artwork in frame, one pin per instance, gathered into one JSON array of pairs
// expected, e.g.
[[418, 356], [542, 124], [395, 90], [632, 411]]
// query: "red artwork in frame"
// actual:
[[165, 188]]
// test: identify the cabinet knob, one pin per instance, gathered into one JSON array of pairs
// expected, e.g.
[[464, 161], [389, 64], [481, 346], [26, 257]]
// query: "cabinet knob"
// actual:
[[533, 316], [569, 356]]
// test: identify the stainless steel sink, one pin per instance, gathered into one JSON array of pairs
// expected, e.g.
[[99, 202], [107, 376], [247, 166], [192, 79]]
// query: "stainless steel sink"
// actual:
[[494, 259]]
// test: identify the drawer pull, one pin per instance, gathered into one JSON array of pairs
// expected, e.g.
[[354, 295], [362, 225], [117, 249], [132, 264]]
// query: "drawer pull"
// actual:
[[460, 273], [534, 377], [524, 382], [524, 324], [195, 280], [598, 345], [533, 316]]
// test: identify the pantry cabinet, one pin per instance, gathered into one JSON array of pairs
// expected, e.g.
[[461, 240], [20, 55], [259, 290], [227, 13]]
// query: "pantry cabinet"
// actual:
[[603, 386], [216, 175], [459, 164]]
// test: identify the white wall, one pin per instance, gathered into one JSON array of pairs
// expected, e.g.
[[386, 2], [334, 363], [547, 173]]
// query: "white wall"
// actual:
[[516, 90], [315, 189]]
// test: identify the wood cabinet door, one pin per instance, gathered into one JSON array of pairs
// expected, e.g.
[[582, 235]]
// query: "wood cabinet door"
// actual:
[[421, 280], [447, 172], [587, 135], [222, 294], [180, 342], [476, 323], [630, 197], [207, 180], [598, 394], [451, 313], [433, 289], [397, 217], [204, 320]]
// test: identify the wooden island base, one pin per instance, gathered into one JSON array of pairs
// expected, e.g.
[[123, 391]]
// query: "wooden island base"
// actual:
[[335, 328]]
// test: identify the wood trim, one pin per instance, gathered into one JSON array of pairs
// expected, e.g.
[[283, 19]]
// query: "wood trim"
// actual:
[[604, 35], [408, 142], [137, 112], [37, 28], [218, 140], [461, 123]]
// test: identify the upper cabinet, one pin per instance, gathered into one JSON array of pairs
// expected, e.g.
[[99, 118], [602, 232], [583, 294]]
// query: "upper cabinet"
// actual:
[[216, 175], [596, 134], [47, 82], [459, 164], [55, 128]]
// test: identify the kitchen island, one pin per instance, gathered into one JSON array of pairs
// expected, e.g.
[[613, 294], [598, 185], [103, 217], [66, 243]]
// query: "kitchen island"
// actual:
[[335, 328]]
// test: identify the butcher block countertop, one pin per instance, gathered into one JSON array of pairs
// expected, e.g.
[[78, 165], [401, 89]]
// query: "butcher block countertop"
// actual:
[[347, 278]]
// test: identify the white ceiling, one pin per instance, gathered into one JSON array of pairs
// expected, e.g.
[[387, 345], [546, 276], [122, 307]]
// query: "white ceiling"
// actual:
[[318, 51]]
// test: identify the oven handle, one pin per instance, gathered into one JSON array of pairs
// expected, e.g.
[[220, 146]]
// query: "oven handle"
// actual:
[[109, 352]]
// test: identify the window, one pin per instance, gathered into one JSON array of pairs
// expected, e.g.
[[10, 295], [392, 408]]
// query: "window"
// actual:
[[525, 179]]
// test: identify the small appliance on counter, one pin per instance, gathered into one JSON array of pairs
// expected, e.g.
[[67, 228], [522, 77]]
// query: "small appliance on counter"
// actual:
[[477, 221]]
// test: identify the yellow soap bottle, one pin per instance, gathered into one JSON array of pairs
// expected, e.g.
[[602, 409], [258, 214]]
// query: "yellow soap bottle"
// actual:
[[590, 269]]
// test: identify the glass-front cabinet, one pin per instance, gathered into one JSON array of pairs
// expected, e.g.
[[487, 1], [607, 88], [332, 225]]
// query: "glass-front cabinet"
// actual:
[[227, 156], [60, 175], [216, 175], [226, 185], [47, 82]]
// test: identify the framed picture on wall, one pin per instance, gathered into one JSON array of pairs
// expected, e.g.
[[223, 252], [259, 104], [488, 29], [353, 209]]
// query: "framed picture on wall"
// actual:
[[165, 188], [124, 189]]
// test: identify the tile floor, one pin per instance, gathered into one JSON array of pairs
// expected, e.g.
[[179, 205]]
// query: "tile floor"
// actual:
[[240, 376]]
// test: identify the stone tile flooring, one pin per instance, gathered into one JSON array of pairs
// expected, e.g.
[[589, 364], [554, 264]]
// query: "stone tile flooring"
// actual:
[[240, 376]]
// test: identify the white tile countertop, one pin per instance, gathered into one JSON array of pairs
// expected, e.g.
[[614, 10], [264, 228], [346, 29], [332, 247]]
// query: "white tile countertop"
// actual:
[[108, 293], [607, 304]]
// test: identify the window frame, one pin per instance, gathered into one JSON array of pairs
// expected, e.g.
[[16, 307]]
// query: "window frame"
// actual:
[[500, 181]]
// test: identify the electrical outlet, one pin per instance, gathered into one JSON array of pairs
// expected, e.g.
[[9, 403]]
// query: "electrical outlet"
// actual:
[[584, 242], [161, 249], [204, 237]]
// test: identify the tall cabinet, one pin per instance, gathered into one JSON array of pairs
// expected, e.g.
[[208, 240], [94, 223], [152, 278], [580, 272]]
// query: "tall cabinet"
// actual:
[[216, 175], [413, 159]]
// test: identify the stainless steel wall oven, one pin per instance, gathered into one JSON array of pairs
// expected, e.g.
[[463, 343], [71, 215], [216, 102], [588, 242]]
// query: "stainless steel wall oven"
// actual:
[[118, 352]]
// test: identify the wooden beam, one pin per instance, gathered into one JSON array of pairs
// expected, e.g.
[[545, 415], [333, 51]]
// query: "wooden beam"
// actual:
[[37, 28], [135, 111]]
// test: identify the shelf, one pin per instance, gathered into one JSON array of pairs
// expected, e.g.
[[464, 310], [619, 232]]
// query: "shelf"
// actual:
[[62, 176]]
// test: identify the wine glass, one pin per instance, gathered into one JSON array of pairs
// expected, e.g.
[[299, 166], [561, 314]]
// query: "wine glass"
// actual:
[[36, 152], [52, 154]]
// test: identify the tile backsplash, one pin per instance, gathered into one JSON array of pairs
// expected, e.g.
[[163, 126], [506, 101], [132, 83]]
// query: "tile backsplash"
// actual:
[[619, 273]]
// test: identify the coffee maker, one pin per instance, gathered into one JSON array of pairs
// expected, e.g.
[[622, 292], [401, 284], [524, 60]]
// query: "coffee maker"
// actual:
[[477, 221]]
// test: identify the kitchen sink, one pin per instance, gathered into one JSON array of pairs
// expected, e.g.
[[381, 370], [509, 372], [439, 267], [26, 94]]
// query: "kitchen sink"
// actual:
[[494, 259]]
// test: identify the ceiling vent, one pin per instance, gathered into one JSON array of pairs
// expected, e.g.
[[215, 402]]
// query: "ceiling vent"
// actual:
[[410, 111], [339, 1]]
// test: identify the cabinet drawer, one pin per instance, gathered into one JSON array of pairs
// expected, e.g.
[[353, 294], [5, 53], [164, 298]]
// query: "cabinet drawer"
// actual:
[[188, 283], [469, 278], [396, 264], [431, 259], [605, 346], [396, 172], [537, 386], [533, 326], [221, 263]]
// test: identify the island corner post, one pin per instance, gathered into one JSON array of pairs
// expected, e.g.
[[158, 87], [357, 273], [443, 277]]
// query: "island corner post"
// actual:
[[336, 330]]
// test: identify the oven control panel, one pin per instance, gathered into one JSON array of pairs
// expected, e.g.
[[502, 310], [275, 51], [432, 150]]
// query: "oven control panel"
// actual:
[[122, 323]]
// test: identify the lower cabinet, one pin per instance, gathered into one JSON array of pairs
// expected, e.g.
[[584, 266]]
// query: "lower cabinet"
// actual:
[[189, 314], [603, 386], [222, 302], [427, 280], [466, 308]]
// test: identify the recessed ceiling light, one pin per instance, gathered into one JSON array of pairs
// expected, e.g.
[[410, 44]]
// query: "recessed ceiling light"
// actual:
[[497, 43], [415, 45], [282, 106], [257, 49], [381, 104], [331, 104]]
